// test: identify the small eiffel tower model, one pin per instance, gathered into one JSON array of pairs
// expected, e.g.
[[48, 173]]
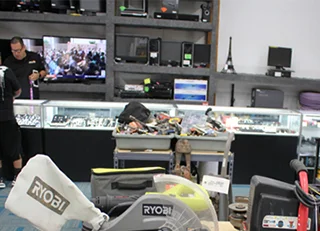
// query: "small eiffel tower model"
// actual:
[[228, 67]]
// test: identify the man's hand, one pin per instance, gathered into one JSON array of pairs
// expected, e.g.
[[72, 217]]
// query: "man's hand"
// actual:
[[34, 76]]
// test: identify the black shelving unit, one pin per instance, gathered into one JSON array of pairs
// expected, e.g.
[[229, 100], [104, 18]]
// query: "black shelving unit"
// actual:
[[109, 23]]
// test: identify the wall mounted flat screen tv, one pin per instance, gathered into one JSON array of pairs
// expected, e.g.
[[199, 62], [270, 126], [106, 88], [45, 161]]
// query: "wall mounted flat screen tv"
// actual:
[[131, 48], [77, 58]]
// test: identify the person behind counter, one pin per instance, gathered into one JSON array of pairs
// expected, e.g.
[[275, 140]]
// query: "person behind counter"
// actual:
[[27, 66]]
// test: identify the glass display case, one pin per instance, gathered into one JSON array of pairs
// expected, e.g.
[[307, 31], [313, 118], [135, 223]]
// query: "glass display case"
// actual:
[[257, 121], [29, 113], [310, 132], [90, 115]]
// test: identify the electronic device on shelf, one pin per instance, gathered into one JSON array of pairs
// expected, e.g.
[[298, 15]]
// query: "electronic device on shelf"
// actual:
[[132, 94], [35, 45], [131, 48], [69, 59], [134, 8], [190, 89], [206, 12], [93, 7], [60, 121], [279, 58], [202, 54], [183, 17], [170, 53]]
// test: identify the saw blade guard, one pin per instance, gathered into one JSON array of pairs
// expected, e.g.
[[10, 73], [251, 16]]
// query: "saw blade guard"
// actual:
[[192, 195]]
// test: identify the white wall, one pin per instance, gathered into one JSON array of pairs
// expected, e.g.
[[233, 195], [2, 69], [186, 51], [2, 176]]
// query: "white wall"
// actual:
[[256, 24]]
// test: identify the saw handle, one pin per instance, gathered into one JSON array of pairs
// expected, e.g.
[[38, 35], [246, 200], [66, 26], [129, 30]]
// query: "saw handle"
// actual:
[[142, 185], [297, 166]]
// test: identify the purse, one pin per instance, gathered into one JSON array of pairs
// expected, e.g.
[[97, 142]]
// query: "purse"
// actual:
[[183, 146]]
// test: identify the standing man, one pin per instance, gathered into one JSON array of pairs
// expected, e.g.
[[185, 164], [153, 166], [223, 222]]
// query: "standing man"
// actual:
[[28, 68], [10, 138]]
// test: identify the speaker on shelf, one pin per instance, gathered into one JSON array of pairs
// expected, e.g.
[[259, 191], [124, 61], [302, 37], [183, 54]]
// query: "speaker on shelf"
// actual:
[[205, 12], [187, 51], [155, 51]]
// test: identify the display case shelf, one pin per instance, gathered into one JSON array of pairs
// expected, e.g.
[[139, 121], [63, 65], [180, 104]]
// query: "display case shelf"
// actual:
[[162, 23], [52, 18], [267, 80], [73, 87], [147, 69]]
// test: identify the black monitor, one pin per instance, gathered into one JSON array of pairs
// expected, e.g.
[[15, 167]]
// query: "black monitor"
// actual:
[[279, 57], [74, 58], [170, 53], [131, 48], [60, 4], [92, 6], [29, 5]]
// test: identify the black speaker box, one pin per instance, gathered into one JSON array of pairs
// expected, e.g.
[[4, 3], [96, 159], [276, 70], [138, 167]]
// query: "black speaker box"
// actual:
[[170, 6], [205, 12], [187, 51], [201, 55], [155, 51]]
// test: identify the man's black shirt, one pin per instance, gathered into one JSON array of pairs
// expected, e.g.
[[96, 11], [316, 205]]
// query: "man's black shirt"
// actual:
[[11, 85], [23, 68]]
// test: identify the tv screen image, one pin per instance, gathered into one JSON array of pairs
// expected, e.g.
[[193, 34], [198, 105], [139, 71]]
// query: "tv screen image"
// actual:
[[79, 58]]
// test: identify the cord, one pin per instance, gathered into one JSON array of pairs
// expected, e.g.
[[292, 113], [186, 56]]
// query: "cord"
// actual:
[[306, 199]]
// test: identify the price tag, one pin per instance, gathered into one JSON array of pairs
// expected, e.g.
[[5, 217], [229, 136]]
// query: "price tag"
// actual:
[[215, 184]]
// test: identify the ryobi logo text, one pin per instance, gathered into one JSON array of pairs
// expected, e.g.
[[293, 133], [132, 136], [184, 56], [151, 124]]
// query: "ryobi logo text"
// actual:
[[48, 196], [157, 210]]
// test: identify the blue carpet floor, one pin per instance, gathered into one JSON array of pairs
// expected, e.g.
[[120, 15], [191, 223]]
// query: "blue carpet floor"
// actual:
[[10, 222]]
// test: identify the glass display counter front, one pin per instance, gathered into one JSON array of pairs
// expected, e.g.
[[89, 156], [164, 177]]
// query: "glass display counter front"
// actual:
[[28, 113], [257, 121], [310, 132]]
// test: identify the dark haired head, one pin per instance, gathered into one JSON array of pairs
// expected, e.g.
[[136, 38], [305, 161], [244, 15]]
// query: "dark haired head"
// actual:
[[16, 40]]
